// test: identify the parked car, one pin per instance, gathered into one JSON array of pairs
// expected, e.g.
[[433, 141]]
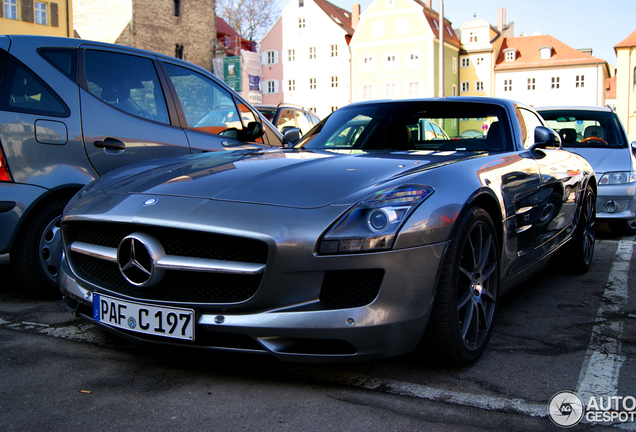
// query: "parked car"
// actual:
[[285, 116], [370, 242], [72, 110], [597, 134]]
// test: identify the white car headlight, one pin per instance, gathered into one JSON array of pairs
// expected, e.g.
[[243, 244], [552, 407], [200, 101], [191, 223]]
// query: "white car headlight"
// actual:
[[618, 177], [373, 223]]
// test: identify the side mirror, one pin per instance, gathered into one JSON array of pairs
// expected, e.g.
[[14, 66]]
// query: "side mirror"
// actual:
[[546, 137], [291, 135], [634, 148]]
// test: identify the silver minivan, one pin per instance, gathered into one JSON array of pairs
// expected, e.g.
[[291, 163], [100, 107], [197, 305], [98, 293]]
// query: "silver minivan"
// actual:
[[597, 134], [72, 110]]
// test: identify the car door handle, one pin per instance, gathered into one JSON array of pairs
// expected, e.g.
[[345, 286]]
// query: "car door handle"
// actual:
[[110, 143]]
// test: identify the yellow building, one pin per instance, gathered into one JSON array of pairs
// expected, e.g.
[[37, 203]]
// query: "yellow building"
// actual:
[[34, 17], [626, 83], [395, 52], [481, 43]]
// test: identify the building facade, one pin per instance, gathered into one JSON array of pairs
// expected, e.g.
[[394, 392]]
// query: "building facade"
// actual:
[[181, 29], [305, 57], [395, 52], [540, 70], [626, 83], [34, 17]]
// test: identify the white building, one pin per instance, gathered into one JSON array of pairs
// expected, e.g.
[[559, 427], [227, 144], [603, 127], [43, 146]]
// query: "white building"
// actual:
[[305, 57], [541, 70]]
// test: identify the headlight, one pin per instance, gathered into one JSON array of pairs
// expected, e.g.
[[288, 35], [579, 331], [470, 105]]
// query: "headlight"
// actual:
[[373, 223], [614, 178]]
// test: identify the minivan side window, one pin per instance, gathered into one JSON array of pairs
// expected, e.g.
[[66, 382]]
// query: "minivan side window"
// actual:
[[126, 82], [206, 105], [23, 91]]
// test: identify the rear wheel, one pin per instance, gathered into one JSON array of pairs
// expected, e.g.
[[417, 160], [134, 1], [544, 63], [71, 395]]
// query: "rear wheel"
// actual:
[[37, 251], [466, 300], [583, 240]]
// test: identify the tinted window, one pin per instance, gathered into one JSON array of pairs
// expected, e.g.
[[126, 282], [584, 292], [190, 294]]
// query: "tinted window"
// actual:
[[65, 60], [23, 91], [207, 106], [128, 83], [583, 128]]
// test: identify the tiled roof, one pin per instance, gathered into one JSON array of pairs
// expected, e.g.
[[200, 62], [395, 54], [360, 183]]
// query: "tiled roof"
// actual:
[[338, 15], [529, 53], [627, 43], [224, 28], [433, 19], [610, 88]]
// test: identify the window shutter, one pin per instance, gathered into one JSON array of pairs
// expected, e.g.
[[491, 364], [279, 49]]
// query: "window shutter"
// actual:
[[2, 10], [27, 10], [264, 57], [276, 57], [54, 18], [275, 86]]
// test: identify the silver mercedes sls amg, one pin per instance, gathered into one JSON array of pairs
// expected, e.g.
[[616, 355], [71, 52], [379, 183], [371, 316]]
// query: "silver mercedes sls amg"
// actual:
[[372, 237]]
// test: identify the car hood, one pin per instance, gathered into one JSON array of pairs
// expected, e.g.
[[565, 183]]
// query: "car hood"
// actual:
[[605, 159], [293, 178]]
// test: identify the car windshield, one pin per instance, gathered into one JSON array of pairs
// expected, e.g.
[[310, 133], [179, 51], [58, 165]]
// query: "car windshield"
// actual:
[[585, 128], [413, 125]]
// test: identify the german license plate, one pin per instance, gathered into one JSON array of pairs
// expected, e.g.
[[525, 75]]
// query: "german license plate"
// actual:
[[163, 321]]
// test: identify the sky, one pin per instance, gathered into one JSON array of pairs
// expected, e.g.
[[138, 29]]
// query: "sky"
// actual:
[[596, 24]]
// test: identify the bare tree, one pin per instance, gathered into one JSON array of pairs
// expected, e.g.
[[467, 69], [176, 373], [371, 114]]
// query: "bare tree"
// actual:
[[250, 18]]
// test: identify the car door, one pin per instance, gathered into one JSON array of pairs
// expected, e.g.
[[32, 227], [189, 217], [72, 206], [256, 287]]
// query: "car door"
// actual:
[[208, 111], [126, 117]]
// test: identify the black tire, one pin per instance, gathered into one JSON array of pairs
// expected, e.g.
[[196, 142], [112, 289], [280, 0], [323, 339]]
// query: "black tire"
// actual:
[[465, 304], [581, 251], [623, 227], [37, 251]]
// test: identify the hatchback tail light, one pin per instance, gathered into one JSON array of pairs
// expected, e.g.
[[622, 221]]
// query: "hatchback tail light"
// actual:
[[5, 175]]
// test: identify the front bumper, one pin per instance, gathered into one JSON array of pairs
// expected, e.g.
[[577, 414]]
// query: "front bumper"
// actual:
[[619, 198], [390, 325]]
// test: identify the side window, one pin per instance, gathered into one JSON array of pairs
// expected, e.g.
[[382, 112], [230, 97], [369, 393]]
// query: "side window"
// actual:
[[304, 121], [126, 82], [23, 91], [65, 60], [206, 105], [531, 121]]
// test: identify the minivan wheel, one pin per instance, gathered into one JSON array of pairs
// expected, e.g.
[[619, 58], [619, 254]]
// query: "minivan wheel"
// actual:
[[37, 251]]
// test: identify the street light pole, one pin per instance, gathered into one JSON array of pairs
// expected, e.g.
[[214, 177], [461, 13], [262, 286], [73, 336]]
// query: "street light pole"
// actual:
[[441, 48]]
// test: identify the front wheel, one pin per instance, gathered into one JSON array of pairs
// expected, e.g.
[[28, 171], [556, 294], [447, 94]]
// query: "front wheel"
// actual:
[[37, 251], [464, 310], [584, 237]]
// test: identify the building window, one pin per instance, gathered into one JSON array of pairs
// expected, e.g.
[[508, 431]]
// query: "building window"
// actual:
[[454, 64], [301, 3], [479, 61], [556, 82], [291, 85], [312, 53], [367, 92], [454, 90], [291, 55], [465, 86], [334, 50], [531, 84], [390, 90], [333, 108], [402, 26], [479, 86], [465, 62], [510, 55], [271, 87], [176, 8], [377, 29], [414, 89], [508, 85], [390, 61], [634, 80], [312, 83], [367, 64], [334, 81], [312, 109], [301, 22], [580, 80], [272, 57], [178, 51], [11, 9], [473, 36], [40, 13], [390, 3]]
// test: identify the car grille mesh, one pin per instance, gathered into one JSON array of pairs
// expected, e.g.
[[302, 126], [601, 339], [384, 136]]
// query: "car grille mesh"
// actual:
[[351, 287], [181, 286]]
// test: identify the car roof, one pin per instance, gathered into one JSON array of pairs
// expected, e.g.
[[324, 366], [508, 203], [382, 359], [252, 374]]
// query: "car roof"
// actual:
[[573, 108]]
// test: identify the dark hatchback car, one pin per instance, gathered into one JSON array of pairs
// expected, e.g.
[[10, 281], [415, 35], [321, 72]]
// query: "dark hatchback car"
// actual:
[[72, 110]]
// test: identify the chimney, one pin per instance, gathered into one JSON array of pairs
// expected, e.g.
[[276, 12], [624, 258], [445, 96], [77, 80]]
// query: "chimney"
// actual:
[[428, 4], [355, 15], [501, 23]]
